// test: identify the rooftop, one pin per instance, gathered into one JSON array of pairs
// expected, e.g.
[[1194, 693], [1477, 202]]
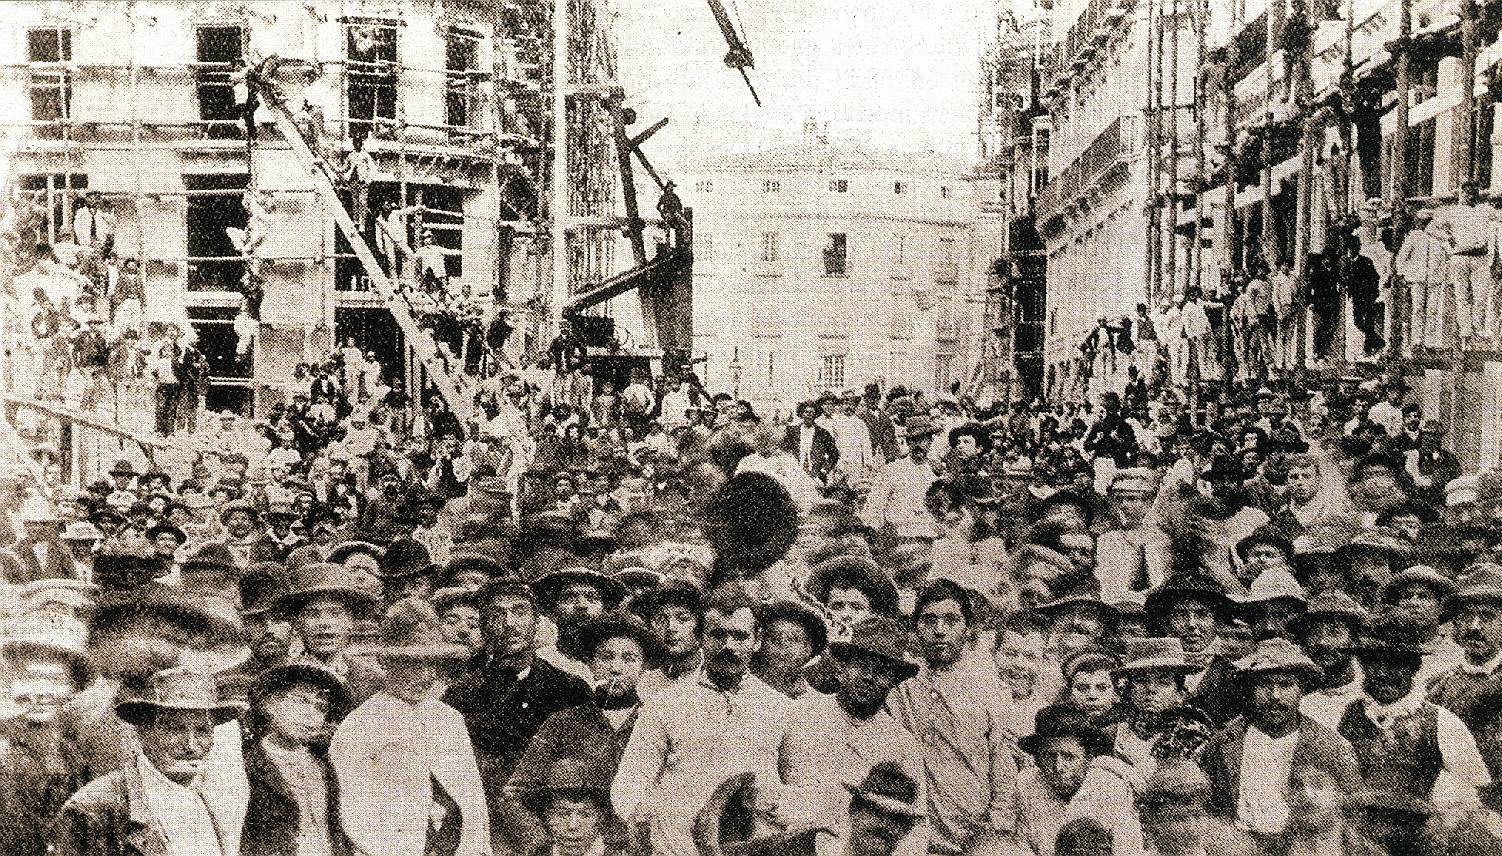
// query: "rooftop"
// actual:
[[822, 155]]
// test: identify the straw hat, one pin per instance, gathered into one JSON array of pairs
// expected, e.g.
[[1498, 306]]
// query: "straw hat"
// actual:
[[411, 630], [1156, 654], [179, 688]]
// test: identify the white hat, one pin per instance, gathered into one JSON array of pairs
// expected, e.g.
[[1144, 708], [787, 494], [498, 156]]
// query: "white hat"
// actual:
[[1462, 491]]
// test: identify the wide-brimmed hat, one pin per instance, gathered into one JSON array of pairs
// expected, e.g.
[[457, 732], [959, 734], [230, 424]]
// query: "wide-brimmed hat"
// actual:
[[614, 625], [881, 636], [1278, 655], [411, 630], [179, 688], [117, 608], [673, 591], [466, 558], [123, 467], [167, 528], [859, 573], [405, 558], [791, 610], [1269, 535], [549, 588], [1108, 613], [81, 530], [261, 586], [1156, 654], [51, 636], [639, 577], [1133, 480], [1275, 582], [326, 578], [1482, 583], [1392, 632], [279, 678], [213, 556], [1418, 575], [1327, 605], [345, 549], [890, 790], [1380, 540], [1065, 720], [454, 596], [1197, 585], [238, 506], [578, 777]]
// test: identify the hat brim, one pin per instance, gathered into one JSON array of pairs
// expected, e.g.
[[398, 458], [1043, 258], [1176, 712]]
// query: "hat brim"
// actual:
[[905, 669], [137, 711], [1094, 741], [288, 675], [550, 587], [362, 603], [885, 804], [1158, 664], [79, 662]]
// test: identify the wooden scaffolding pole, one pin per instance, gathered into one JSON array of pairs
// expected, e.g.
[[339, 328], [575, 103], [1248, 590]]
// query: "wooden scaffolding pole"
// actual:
[[1465, 135], [1171, 198]]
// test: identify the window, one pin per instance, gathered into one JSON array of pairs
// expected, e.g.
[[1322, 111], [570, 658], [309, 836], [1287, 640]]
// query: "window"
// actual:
[[943, 371], [370, 75], [832, 371], [839, 185], [769, 247], [771, 185], [47, 48], [944, 192], [834, 254], [704, 186], [220, 267], [461, 62], [899, 187], [58, 194], [220, 51], [946, 269]]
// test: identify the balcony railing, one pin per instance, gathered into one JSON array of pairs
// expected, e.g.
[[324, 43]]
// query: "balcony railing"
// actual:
[[1091, 31], [1110, 147]]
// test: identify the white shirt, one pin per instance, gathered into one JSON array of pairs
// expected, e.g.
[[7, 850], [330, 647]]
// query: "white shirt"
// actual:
[[1266, 763], [180, 813]]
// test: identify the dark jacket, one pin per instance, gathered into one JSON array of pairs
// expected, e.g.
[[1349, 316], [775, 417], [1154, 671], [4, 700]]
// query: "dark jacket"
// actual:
[[272, 817], [38, 772], [823, 455], [1218, 693], [503, 713], [109, 817], [59, 561], [579, 732], [1317, 746]]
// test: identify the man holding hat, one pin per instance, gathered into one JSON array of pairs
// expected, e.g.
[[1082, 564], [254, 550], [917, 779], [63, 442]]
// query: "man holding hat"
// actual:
[[897, 503], [1133, 555], [831, 741], [1326, 631], [1250, 762], [1073, 775], [957, 707], [154, 804], [1402, 739], [618, 647], [408, 781]]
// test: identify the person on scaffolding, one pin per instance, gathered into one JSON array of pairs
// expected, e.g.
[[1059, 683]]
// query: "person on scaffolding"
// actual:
[[670, 208]]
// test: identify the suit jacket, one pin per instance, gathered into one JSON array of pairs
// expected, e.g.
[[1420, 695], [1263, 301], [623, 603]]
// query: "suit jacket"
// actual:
[[272, 817], [1218, 693], [110, 817], [36, 779], [823, 455], [1317, 745], [59, 561]]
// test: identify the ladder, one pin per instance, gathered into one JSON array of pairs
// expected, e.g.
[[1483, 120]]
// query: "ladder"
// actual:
[[453, 386]]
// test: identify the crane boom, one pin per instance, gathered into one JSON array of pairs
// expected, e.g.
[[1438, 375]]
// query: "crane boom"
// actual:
[[738, 56]]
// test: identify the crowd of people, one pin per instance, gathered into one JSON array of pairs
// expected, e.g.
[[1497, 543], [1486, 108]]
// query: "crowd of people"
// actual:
[[650, 620]]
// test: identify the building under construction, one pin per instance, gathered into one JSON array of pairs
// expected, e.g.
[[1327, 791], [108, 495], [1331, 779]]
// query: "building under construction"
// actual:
[[294, 157]]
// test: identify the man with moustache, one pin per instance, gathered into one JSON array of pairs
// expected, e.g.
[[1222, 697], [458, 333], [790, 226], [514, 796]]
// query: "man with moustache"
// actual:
[[832, 741], [154, 804], [1250, 762], [509, 691], [1477, 624], [1326, 632], [619, 647], [1402, 740], [689, 739], [954, 705]]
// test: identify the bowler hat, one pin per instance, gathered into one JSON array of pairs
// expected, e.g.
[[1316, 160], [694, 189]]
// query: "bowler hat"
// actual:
[[238, 506], [576, 777], [1065, 720], [179, 688], [890, 790], [881, 636], [123, 467], [405, 558], [165, 528]]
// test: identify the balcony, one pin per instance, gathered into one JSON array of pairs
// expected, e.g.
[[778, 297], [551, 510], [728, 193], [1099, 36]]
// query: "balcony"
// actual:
[[1110, 148]]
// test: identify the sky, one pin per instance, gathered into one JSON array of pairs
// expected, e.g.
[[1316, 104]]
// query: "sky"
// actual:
[[886, 74]]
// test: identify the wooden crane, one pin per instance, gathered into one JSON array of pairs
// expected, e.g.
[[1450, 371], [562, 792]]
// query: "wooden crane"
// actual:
[[738, 56]]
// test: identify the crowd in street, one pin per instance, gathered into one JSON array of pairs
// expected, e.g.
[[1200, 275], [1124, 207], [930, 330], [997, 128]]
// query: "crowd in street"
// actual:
[[649, 620]]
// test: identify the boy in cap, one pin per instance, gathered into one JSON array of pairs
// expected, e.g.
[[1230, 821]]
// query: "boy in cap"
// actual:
[[574, 804], [1074, 774]]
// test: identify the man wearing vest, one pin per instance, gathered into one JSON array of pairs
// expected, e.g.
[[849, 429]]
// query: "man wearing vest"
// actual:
[[1476, 622], [1403, 741]]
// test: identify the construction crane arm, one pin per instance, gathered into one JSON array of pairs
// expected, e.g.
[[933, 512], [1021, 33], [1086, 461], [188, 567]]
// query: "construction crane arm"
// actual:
[[738, 56]]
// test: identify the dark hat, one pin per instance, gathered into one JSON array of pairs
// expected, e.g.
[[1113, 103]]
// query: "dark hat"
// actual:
[[571, 777], [507, 583], [213, 556], [550, 587], [411, 630], [279, 678], [612, 625], [179, 688], [919, 426], [165, 528], [890, 790], [859, 573], [882, 636], [123, 467], [1192, 584], [454, 596], [405, 558], [232, 507], [260, 588], [1393, 631], [466, 558], [790, 610], [1107, 612], [750, 522], [176, 605], [1269, 535], [1331, 604], [1061, 498], [327, 578], [673, 591], [345, 549], [1065, 720]]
